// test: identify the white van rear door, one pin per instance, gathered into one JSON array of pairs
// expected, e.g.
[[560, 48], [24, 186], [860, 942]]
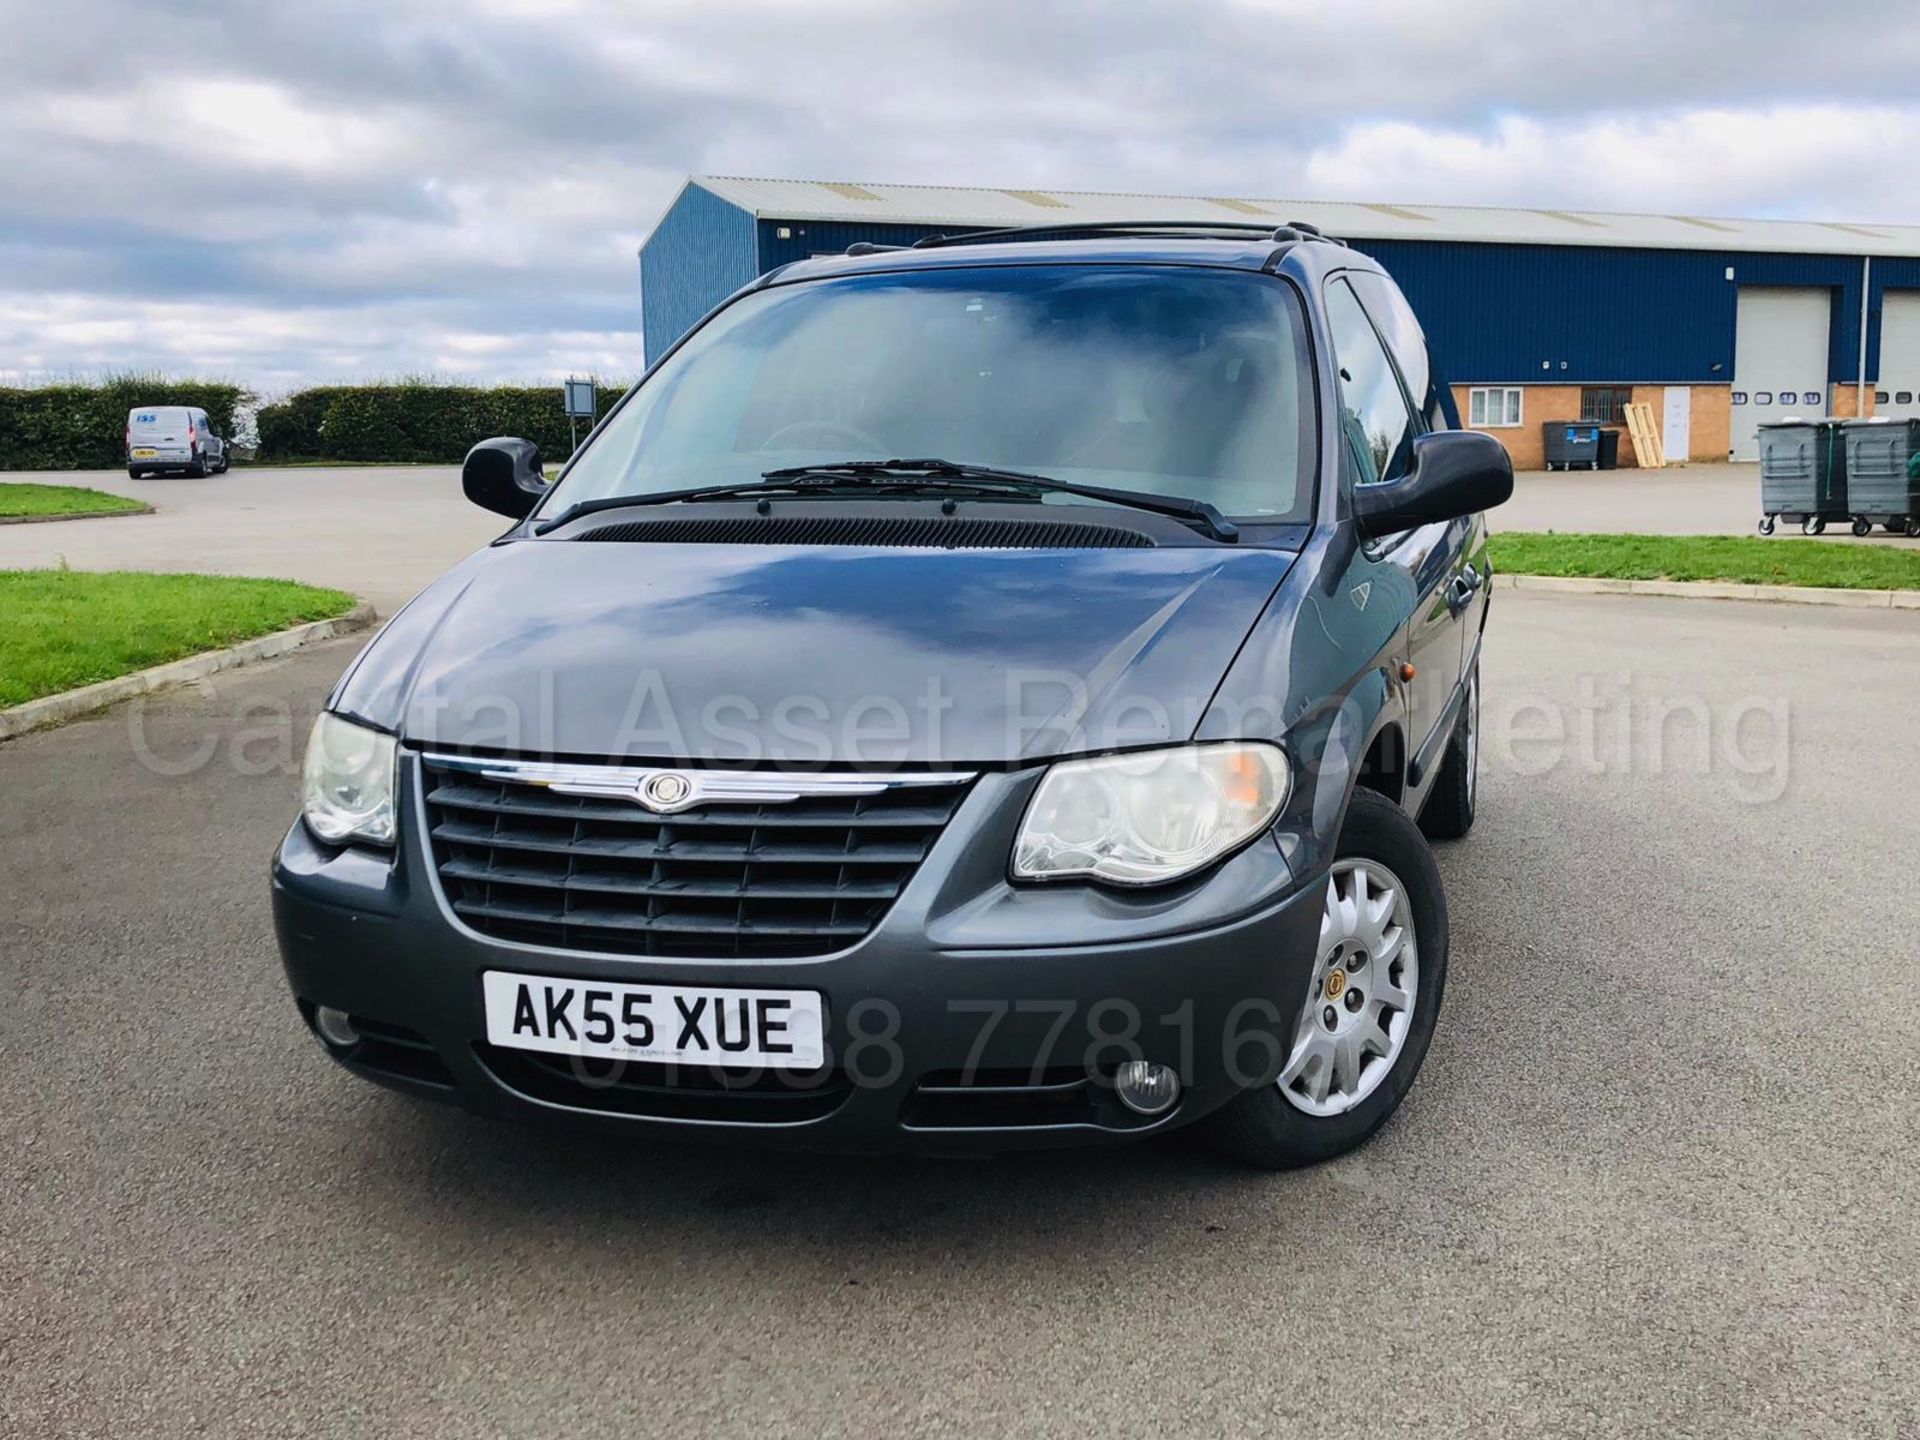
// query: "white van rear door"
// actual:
[[157, 431]]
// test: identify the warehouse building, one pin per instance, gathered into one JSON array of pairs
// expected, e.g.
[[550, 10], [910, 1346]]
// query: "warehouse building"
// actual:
[[1538, 316]]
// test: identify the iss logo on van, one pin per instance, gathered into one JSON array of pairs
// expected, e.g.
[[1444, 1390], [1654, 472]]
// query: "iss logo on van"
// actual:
[[696, 1024]]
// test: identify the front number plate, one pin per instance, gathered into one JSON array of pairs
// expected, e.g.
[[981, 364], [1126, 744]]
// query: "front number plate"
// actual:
[[695, 1024]]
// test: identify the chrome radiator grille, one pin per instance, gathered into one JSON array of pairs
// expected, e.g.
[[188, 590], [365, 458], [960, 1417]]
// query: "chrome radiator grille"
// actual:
[[571, 856]]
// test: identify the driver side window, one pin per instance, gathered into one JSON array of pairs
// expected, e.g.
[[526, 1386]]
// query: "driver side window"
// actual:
[[1375, 420]]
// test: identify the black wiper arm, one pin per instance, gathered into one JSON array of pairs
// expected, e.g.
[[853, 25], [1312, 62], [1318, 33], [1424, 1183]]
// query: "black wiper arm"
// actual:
[[666, 497], [946, 475], [1181, 507]]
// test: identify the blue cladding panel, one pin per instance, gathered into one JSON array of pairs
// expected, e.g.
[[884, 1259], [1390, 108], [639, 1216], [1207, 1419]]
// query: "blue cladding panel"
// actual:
[[701, 252], [815, 237], [1495, 312]]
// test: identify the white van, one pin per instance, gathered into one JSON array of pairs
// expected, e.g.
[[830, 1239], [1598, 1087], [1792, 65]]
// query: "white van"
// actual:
[[173, 437]]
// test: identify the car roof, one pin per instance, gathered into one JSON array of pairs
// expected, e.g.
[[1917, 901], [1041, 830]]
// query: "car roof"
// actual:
[[1305, 257]]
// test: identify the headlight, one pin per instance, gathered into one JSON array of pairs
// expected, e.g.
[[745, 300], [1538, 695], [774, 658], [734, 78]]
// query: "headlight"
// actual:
[[1149, 817], [347, 790]]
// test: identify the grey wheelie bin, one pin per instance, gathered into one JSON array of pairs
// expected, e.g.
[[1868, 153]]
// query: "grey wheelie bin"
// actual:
[[1883, 475], [1803, 475]]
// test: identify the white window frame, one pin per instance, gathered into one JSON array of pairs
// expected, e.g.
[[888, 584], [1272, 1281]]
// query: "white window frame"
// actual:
[[1511, 401]]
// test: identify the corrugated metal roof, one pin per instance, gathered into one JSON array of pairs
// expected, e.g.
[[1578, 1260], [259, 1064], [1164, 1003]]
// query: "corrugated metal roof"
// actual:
[[817, 200]]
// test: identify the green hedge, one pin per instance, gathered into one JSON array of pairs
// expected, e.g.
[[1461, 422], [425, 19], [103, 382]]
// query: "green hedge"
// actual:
[[290, 430], [84, 426], [415, 422]]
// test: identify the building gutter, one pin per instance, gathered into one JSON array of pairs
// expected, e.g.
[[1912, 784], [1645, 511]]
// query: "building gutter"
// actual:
[[1866, 290]]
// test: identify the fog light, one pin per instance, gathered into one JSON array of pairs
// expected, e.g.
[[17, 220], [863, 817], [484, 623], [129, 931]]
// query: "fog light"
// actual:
[[334, 1026], [1146, 1088]]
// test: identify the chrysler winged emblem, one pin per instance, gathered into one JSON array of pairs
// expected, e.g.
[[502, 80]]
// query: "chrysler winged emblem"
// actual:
[[665, 791]]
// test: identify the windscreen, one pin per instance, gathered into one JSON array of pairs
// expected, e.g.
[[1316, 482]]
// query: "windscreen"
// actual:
[[1175, 380]]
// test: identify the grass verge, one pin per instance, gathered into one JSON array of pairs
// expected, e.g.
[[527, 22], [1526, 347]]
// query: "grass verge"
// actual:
[[18, 498], [1738, 560], [61, 629]]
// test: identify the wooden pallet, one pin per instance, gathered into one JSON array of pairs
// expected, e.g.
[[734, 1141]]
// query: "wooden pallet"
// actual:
[[1644, 432]]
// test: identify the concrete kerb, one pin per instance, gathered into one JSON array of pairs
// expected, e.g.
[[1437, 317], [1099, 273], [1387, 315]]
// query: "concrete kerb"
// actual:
[[1714, 590], [75, 515], [72, 704]]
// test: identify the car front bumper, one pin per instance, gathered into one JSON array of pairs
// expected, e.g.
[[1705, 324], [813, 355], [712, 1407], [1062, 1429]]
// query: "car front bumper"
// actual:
[[976, 1017]]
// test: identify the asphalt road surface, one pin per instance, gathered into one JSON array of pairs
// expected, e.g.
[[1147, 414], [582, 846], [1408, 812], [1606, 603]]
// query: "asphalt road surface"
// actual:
[[1660, 1176], [381, 531]]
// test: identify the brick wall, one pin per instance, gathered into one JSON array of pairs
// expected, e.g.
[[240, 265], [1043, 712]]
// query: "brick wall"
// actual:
[[1712, 422], [1709, 432], [1843, 401]]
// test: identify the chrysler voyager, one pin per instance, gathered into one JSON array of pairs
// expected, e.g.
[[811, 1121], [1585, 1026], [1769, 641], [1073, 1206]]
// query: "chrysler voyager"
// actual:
[[996, 692]]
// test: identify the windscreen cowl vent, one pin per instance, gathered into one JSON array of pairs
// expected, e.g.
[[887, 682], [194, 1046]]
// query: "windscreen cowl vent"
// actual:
[[921, 532]]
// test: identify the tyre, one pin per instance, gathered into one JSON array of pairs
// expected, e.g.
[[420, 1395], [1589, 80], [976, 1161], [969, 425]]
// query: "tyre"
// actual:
[[198, 469], [1862, 526], [1766, 524], [1448, 813], [1383, 938], [134, 472]]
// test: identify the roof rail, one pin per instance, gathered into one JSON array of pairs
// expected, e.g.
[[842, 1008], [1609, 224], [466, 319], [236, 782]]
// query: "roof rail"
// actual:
[[1198, 229], [1314, 232], [871, 247]]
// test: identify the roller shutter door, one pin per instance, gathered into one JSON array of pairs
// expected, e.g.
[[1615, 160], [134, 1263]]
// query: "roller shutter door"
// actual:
[[1779, 360], [1900, 355]]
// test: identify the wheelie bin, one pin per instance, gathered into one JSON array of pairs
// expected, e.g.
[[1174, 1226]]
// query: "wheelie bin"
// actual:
[[1571, 444], [1883, 474], [1803, 475]]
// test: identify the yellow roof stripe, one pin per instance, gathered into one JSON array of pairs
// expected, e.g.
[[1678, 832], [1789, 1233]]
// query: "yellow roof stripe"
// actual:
[[851, 192], [1571, 219], [1400, 212]]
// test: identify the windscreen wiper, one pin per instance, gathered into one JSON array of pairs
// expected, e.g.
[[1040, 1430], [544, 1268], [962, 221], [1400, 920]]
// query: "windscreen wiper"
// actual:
[[668, 497], [802, 481], [947, 476], [942, 474]]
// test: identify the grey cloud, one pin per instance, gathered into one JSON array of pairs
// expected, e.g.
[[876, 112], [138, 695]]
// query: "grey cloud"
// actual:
[[458, 171]]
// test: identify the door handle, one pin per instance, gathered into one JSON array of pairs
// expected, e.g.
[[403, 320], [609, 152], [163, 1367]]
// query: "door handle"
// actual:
[[1464, 584]]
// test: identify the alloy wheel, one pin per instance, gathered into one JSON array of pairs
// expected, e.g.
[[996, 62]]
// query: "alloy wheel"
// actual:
[[1365, 980]]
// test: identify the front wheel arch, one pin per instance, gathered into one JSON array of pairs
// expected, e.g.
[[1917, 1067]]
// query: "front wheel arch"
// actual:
[[1383, 769]]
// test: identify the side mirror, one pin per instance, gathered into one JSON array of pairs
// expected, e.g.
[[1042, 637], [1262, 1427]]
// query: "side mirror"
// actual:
[[1455, 473], [503, 475]]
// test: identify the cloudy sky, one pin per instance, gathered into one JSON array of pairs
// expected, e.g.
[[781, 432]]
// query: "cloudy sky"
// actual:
[[281, 192]]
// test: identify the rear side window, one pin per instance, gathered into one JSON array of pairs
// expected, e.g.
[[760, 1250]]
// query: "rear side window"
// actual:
[[1374, 419]]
